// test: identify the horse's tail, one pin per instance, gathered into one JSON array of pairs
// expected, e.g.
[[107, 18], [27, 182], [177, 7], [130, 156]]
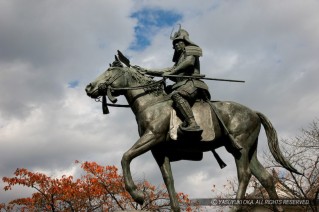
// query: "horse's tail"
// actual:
[[273, 143]]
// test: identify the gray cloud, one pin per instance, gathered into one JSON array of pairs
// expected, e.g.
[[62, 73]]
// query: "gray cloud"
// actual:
[[44, 125]]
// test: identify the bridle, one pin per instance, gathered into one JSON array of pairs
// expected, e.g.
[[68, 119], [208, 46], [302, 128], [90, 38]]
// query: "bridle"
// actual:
[[106, 89]]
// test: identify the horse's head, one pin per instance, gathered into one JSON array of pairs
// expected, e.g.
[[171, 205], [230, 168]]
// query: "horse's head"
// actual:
[[118, 80], [113, 77]]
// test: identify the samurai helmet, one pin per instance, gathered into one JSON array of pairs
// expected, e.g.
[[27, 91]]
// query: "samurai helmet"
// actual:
[[183, 35]]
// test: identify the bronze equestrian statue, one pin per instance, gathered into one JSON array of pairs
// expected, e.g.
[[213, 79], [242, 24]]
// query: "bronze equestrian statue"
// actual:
[[154, 106]]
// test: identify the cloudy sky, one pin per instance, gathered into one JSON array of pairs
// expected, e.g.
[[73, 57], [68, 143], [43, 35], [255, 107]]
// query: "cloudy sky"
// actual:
[[50, 50]]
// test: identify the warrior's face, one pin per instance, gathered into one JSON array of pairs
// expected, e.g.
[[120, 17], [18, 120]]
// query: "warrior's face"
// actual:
[[179, 46]]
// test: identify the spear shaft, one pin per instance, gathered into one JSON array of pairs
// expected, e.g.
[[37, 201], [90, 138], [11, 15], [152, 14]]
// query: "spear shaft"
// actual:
[[204, 78]]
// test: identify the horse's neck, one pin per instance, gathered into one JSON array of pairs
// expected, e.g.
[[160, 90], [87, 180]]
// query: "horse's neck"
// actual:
[[140, 100]]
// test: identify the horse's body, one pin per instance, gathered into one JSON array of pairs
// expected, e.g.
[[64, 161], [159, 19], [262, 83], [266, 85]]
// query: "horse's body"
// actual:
[[153, 111]]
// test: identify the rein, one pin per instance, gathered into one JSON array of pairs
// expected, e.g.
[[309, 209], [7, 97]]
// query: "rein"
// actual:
[[108, 88]]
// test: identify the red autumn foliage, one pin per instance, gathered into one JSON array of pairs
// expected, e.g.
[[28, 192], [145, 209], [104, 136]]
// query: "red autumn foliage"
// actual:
[[101, 188]]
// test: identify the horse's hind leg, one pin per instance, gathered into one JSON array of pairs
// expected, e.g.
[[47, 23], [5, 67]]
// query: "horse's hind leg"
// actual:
[[243, 162], [165, 167], [264, 178], [243, 173]]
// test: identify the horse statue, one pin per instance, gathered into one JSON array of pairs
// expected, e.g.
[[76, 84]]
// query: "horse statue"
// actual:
[[153, 110]]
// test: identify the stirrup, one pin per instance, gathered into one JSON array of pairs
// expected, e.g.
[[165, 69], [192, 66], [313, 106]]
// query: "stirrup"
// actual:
[[195, 128], [190, 133]]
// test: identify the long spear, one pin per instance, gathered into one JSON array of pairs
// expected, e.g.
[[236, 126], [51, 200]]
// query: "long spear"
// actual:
[[204, 78]]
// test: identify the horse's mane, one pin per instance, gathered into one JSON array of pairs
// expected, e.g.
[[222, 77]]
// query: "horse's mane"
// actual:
[[134, 76]]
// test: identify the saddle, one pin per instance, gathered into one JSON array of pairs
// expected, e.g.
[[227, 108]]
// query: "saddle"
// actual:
[[205, 118]]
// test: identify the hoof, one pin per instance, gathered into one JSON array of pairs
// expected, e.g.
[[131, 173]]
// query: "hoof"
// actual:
[[175, 210], [278, 208], [138, 197], [236, 209]]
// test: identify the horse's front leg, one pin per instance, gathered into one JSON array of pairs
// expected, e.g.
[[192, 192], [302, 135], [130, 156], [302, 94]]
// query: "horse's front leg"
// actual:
[[165, 166], [145, 143]]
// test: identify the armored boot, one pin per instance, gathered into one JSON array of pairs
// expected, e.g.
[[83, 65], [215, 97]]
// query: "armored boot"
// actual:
[[184, 108]]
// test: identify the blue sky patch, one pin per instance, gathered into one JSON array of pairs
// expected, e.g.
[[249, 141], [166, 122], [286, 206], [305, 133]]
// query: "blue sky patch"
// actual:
[[73, 84], [149, 22]]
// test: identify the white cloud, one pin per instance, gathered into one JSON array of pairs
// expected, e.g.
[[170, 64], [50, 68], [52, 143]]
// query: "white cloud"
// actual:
[[45, 125]]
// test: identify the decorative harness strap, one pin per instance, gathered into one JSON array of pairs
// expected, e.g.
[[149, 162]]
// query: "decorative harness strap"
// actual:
[[106, 87]]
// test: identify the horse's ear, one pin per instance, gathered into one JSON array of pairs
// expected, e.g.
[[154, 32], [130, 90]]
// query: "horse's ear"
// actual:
[[116, 58], [123, 59]]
